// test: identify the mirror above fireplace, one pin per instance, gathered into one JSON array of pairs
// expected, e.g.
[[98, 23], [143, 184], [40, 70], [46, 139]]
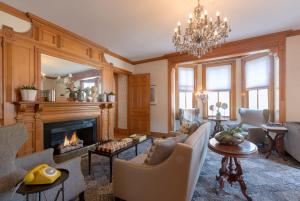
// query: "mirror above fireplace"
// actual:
[[64, 77]]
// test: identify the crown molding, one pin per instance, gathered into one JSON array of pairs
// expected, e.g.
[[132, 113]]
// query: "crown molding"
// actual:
[[31, 17]]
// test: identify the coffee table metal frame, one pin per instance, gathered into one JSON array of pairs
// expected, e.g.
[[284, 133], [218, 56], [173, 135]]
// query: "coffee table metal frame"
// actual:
[[115, 153]]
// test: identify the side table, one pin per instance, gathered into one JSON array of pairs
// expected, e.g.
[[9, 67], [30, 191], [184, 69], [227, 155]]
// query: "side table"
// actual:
[[231, 169], [33, 189], [277, 143]]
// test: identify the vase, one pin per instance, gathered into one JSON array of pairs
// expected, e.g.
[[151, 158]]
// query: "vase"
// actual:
[[28, 95], [111, 98], [229, 139], [80, 96], [218, 116], [72, 95]]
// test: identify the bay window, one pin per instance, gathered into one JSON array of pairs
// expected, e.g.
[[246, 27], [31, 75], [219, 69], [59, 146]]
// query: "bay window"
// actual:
[[218, 84], [185, 87], [258, 82]]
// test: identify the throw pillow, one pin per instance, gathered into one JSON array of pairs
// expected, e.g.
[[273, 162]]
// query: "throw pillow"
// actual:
[[161, 149]]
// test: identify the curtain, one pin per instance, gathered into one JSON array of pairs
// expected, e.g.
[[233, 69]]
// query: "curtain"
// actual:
[[185, 79], [218, 78], [257, 72]]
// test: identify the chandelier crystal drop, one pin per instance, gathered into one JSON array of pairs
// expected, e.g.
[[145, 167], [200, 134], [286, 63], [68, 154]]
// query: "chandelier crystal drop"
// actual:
[[202, 34]]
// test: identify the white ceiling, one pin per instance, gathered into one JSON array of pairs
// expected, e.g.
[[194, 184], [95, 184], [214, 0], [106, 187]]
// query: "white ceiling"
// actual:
[[53, 66], [139, 29]]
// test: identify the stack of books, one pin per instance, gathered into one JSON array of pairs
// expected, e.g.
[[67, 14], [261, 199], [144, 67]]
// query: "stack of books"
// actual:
[[138, 138]]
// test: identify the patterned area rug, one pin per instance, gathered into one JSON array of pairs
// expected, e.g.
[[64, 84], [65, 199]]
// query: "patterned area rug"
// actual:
[[267, 179]]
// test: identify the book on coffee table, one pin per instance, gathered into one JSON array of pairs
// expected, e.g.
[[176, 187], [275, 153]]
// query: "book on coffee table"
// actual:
[[274, 126], [138, 138]]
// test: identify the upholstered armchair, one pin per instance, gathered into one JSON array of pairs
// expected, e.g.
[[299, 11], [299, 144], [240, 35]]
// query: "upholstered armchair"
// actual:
[[251, 121], [292, 139], [13, 169], [172, 180], [189, 115]]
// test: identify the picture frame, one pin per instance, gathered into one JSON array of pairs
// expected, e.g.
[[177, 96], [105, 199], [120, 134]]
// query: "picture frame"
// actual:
[[153, 97]]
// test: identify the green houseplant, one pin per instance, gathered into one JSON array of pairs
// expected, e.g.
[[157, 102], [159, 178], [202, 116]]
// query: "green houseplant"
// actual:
[[230, 136], [111, 96], [28, 93]]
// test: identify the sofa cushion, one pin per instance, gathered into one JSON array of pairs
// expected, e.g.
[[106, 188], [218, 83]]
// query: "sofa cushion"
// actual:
[[189, 127], [161, 149]]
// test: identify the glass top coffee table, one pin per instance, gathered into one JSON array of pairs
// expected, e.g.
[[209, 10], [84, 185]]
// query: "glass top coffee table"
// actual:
[[111, 155]]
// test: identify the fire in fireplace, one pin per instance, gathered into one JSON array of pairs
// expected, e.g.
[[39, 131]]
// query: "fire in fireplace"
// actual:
[[70, 135], [70, 144]]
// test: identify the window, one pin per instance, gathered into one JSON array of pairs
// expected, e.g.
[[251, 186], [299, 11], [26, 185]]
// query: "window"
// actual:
[[185, 87], [257, 75], [218, 87]]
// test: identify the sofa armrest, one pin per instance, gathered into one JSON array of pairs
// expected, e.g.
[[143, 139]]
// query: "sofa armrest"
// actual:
[[75, 184], [137, 181], [32, 160]]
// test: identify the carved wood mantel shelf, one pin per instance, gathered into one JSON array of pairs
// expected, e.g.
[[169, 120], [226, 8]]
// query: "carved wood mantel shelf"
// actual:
[[35, 114]]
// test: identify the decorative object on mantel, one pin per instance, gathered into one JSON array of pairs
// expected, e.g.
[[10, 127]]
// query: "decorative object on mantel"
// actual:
[[111, 97], [219, 105], [201, 34], [28, 93], [94, 94], [230, 136], [80, 95], [103, 97], [72, 90]]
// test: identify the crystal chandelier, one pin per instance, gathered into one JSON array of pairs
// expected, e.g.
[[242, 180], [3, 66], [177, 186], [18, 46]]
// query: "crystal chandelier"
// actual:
[[201, 34]]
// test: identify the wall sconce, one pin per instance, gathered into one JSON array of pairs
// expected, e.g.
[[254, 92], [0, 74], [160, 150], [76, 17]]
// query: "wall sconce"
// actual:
[[202, 95]]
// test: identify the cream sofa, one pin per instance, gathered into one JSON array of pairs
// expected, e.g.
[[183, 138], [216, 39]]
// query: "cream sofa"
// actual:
[[172, 180]]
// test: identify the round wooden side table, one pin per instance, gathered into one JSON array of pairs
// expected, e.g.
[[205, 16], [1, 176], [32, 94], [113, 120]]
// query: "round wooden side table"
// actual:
[[33, 189], [231, 169]]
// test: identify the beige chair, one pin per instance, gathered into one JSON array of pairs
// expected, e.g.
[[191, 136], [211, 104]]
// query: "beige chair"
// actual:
[[190, 115], [172, 180]]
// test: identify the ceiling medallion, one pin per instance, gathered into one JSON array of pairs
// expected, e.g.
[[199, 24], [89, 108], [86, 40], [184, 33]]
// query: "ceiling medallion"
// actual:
[[201, 34]]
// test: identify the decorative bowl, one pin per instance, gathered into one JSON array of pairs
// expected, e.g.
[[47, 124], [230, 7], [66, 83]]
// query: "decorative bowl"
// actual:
[[226, 138]]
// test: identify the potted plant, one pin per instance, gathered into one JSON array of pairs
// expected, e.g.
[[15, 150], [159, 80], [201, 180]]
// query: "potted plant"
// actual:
[[230, 136], [28, 93], [111, 97]]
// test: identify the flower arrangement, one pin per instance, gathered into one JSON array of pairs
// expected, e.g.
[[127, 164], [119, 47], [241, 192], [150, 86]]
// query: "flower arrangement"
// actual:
[[218, 105]]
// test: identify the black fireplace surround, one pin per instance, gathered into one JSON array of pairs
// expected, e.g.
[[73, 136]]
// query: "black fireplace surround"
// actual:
[[54, 133]]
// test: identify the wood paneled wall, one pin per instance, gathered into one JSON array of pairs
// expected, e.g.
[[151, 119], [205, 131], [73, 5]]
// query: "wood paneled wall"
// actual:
[[20, 56]]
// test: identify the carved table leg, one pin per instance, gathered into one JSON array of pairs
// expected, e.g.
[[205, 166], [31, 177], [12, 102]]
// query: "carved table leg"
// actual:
[[223, 173], [239, 177], [231, 171], [279, 145], [272, 145]]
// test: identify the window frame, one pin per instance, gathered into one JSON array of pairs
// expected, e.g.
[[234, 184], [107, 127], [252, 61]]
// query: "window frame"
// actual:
[[194, 67], [270, 87], [232, 91]]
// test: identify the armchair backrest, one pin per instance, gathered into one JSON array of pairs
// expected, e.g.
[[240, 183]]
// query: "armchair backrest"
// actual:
[[192, 114], [254, 117]]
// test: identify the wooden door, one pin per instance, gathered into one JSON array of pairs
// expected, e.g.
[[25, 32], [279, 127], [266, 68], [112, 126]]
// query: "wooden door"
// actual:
[[139, 104]]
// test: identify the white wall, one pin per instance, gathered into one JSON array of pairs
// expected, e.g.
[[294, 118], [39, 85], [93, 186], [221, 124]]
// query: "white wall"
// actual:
[[158, 76], [293, 79], [119, 63]]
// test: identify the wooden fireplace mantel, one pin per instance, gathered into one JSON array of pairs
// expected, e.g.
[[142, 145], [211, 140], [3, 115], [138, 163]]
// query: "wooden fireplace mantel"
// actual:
[[35, 114]]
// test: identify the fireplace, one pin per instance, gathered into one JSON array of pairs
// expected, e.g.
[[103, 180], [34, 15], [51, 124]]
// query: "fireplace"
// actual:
[[70, 135]]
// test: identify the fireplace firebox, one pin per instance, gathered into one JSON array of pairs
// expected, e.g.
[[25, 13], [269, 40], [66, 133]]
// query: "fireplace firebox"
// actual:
[[69, 135]]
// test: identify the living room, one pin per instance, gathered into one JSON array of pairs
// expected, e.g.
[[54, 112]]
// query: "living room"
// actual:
[[102, 106]]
